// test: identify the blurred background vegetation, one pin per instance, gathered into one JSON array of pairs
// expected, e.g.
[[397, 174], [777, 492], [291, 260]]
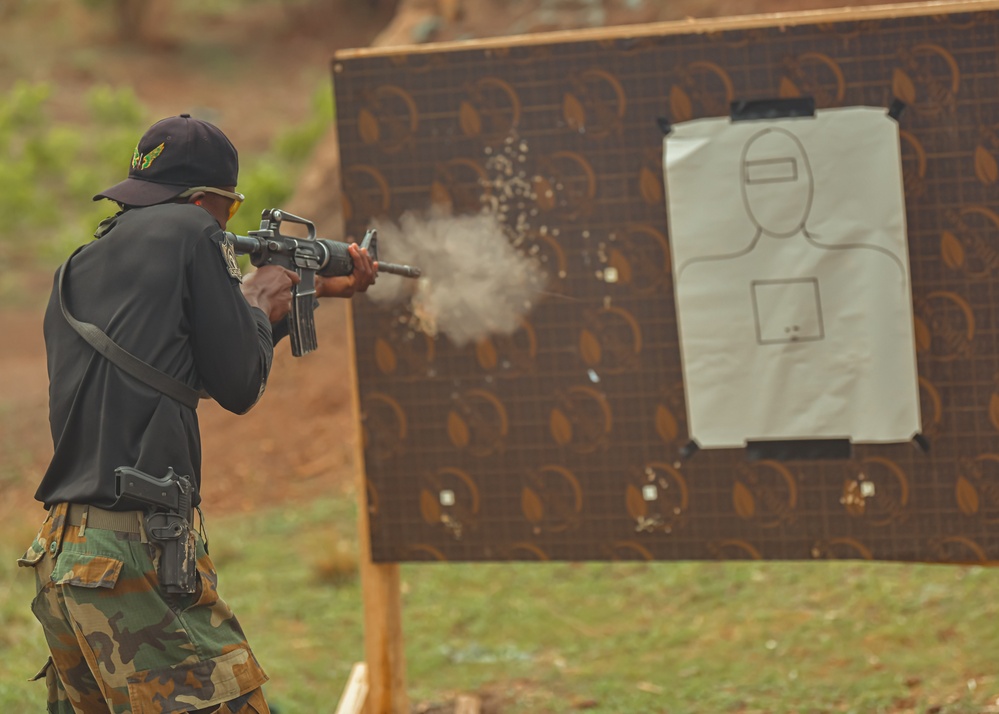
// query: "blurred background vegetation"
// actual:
[[52, 168], [80, 80]]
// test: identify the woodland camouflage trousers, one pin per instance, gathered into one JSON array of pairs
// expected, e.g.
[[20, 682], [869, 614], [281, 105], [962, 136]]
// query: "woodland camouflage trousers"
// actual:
[[118, 644]]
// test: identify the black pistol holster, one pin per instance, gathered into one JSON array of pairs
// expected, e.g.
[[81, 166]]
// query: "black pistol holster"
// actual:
[[169, 520]]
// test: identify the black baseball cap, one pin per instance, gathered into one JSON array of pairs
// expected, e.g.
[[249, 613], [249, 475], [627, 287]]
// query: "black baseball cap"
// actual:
[[175, 154]]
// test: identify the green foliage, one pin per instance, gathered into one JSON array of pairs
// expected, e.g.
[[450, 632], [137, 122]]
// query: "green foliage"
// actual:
[[227, 8], [115, 108], [268, 180], [52, 169], [21, 113], [297, 143]]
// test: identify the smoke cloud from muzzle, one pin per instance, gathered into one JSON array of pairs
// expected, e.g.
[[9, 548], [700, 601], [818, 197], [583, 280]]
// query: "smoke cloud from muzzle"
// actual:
[[475, 283]]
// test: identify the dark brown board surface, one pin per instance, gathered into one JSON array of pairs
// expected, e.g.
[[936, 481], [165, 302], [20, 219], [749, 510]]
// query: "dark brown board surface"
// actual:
[[542, 444]]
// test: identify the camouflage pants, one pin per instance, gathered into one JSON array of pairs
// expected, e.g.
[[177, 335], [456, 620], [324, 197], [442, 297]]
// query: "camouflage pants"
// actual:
[[118, 644]]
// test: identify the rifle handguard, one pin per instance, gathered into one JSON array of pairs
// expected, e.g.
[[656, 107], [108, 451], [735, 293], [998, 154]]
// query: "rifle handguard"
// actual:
[[329, 258], [309, 256]]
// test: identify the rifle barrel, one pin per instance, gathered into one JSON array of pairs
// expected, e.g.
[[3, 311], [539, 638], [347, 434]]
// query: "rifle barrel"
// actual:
[[407, 271]]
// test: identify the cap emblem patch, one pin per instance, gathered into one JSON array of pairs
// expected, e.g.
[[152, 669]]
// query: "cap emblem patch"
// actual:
[[140, 162]]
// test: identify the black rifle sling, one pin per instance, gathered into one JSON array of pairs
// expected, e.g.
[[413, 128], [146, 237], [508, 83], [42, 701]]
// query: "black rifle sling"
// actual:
[[126, 361]]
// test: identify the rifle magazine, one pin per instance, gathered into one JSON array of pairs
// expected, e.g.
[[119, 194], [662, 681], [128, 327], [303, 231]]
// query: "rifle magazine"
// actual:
[[303, 325]]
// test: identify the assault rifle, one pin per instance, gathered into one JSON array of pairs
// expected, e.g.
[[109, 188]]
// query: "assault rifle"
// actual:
[[169, 517], [308, 257]]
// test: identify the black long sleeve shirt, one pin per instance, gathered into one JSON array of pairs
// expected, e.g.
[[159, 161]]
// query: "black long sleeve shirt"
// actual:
[[158, 284]]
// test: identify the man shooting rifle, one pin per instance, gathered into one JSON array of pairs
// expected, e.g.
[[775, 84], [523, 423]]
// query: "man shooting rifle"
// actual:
[[141, 323]]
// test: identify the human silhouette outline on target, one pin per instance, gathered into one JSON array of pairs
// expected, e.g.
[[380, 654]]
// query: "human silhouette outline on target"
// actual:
[[787, 335], [777, 193]]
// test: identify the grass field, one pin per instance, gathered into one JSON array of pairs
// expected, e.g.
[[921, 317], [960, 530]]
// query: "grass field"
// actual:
[[616, 638]]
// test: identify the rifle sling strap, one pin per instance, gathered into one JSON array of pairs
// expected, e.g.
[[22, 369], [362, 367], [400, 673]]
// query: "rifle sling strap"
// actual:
[[126, 361]]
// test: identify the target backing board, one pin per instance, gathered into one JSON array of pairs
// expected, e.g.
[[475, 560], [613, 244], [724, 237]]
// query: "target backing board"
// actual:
[[567, 437]]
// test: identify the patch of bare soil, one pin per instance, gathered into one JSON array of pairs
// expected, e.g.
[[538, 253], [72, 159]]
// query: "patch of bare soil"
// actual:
[[299, 441]]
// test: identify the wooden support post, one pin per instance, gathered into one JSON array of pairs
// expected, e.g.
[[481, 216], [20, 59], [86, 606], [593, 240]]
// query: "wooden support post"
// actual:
[[380, 589]]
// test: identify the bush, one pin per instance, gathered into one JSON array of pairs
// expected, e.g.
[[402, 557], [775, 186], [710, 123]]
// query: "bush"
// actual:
[[268, 180], [52, 169]]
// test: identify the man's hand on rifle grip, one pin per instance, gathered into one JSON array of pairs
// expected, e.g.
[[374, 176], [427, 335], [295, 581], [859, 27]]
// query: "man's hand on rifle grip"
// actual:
[[269, 288], [363, 277]]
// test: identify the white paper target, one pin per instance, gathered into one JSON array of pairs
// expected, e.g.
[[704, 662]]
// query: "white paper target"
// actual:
[[791, 274]]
